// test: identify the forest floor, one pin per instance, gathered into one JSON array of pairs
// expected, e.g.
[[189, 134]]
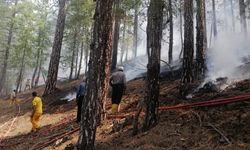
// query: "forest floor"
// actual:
[[207, 128]]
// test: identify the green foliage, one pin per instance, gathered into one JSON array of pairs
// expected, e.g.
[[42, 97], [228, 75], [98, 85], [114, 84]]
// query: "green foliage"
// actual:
[[31, 32], [79, 19]]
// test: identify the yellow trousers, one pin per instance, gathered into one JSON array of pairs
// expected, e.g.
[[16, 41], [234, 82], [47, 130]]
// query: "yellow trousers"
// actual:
[[115, 108], [35, 120]]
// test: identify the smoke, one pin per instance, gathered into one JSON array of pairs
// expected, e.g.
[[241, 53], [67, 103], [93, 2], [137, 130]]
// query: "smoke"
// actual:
[[227, 57], [69, 97]]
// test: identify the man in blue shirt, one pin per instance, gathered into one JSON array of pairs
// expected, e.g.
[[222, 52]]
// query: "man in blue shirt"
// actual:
[[79, 99]]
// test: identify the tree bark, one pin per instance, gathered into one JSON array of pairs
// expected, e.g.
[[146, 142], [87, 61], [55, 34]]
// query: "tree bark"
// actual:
[[154, 38], [98, 74], [201, 39], [7, 49], [171, 32], [187, 76], [116, 34], [56, 50]]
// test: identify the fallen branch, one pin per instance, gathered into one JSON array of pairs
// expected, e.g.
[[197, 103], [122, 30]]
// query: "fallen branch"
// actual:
[[218, 131]]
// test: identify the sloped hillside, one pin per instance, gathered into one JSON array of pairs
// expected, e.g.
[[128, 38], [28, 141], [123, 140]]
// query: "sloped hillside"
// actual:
[[224, 126]]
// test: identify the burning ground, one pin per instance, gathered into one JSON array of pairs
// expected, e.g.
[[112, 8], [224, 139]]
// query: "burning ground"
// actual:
[[214, 127]]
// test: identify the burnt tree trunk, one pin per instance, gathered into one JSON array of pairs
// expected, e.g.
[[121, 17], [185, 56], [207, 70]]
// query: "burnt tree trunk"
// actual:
[[116, 34], [187, 76], [98, 74], [171, 33], [243, 21], [7, 50], [201, 39], [215, 32], [56, 50], [154, 38]]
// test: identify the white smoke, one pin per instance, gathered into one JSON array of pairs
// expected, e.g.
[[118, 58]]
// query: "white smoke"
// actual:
[[225, 58]]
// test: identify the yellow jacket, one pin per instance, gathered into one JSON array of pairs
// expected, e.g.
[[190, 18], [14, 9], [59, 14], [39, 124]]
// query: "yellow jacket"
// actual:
[[37, 102]]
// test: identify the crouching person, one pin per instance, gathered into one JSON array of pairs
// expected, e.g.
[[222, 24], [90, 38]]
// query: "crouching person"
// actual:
[[118, 83], [36, 112]]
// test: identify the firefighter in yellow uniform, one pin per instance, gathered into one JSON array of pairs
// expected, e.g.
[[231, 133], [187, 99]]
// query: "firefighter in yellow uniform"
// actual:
[[37, 112]]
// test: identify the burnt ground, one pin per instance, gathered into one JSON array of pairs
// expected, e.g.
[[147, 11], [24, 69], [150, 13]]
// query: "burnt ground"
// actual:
[[206, 128]]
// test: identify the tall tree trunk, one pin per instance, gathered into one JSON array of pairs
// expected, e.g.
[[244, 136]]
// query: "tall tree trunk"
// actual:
[[37, 59], [187, 76], [86, 58], [201, 39], [7, 49], [87, 49], [116, 34], [77, 57], [135, 37], [123, 41], [248, 10], [171, 32], [181, 30], [20, 75], [232, 15], [39, 69], [225, 14], [73, 55], [243, 21], [98, 74], [126, 56], [154, 37], [56, 50], [214, 20], [81, 58]]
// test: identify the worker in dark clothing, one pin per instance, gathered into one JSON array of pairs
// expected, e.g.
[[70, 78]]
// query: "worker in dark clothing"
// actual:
[[79, 99], [118, 83]]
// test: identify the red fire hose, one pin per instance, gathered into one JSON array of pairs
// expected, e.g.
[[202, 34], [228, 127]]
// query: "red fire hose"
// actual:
[[208, 103], [214, 102]]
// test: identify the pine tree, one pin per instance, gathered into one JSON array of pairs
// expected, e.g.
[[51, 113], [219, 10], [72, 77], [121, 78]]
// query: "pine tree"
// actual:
[[154, 37], [187, 76], [201, 39], [98, 74], [56, 50]]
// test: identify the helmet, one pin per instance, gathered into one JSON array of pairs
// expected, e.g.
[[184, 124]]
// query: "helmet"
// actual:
[[120, 68]]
